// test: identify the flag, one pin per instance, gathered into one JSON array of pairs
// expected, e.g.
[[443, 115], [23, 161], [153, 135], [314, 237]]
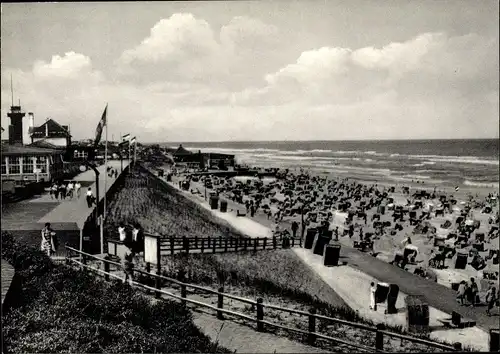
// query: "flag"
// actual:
[[126, 137], [100, 127], [132, 140]]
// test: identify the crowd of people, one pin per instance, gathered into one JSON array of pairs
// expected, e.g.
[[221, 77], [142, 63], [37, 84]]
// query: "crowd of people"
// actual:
[[65, 190]]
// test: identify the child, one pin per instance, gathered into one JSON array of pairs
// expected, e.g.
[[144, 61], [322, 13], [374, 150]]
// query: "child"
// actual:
[[128, 265]]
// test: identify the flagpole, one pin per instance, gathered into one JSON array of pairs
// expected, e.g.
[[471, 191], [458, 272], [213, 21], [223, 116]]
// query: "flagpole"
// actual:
[[135, 151], [106, 163], [129, 159]]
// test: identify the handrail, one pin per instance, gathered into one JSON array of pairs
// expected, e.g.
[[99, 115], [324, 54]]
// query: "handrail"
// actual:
[[253, 302]]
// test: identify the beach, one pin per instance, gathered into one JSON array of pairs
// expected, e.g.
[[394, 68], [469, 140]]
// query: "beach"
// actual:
[[278, 201]]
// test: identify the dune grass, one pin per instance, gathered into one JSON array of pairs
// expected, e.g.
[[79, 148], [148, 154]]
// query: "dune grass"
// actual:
[[160, 209]]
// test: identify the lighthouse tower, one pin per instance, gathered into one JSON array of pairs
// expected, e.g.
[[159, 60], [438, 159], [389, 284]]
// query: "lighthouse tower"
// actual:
[[16, 116]]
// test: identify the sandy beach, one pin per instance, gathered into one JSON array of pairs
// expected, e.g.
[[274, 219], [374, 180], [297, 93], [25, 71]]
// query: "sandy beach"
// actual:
[[431, 230]]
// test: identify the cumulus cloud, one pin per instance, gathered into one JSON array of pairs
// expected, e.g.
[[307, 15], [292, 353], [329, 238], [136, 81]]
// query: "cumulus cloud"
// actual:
[[187, 81]]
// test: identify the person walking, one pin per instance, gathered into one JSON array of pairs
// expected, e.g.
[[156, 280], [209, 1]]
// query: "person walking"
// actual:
[[49, 242], [56, 190], [62, 191], [69, 189], [78, 188], [373, 304], [90, 198], [491, 299]]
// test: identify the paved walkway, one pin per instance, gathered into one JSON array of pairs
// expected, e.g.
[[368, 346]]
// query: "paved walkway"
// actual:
[[76, 210], [243, 339]]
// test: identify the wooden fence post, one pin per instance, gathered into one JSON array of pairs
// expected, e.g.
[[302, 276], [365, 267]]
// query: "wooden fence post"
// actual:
[[208, 246], [293, 242], [183, 293], [236, 244], [274, 242], [245, 243], [225, 245], [220, 241], [158, 266], [220, 303], [255, 240], [311, 337], [195, 242], [84, 259], [148, 267], [185, 244], [172, 246], [106, 269], [264, 244], [379, 337], [494, 341], [202, 245], [260, 315], [214, 245]]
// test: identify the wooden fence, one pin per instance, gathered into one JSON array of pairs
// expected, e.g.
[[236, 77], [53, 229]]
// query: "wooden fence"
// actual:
[[221, 244], [81, 258]]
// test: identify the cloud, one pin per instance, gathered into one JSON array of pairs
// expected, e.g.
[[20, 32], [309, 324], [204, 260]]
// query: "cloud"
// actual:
[[188, 81]]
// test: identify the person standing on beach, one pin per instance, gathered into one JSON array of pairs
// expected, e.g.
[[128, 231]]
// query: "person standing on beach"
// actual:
[[295, 227], [373, 290], [491, 299], [461, 292], [473, 292]]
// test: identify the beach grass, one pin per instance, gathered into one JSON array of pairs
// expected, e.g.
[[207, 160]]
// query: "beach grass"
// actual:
[[280, 278], [160, 209]]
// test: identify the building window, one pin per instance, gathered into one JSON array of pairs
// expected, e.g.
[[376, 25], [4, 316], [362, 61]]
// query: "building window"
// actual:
[[14, 165], [4, 166], [28, 164], [41, 164]]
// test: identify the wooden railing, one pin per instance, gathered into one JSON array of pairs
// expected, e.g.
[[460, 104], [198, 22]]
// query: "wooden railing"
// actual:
[[175, 245], [81, 258], [221, 244]]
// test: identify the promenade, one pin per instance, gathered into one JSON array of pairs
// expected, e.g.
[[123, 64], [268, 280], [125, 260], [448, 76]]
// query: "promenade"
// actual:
[[25, 219]]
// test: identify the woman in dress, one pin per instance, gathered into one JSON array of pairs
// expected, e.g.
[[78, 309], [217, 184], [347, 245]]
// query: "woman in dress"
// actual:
[[48, 245]]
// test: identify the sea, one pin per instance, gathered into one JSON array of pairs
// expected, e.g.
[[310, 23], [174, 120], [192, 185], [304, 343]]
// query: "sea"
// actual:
[[462, 163]]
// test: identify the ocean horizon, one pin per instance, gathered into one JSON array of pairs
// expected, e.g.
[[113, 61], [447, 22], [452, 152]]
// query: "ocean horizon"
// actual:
[[446, 162]]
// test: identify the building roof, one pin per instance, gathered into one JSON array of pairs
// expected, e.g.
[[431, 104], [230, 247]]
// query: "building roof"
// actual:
[[55, 130], [13, 150], [43, 143], [181, 151]]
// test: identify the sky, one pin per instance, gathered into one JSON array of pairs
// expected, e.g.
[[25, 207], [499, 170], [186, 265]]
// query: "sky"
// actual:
[[256, 70]]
